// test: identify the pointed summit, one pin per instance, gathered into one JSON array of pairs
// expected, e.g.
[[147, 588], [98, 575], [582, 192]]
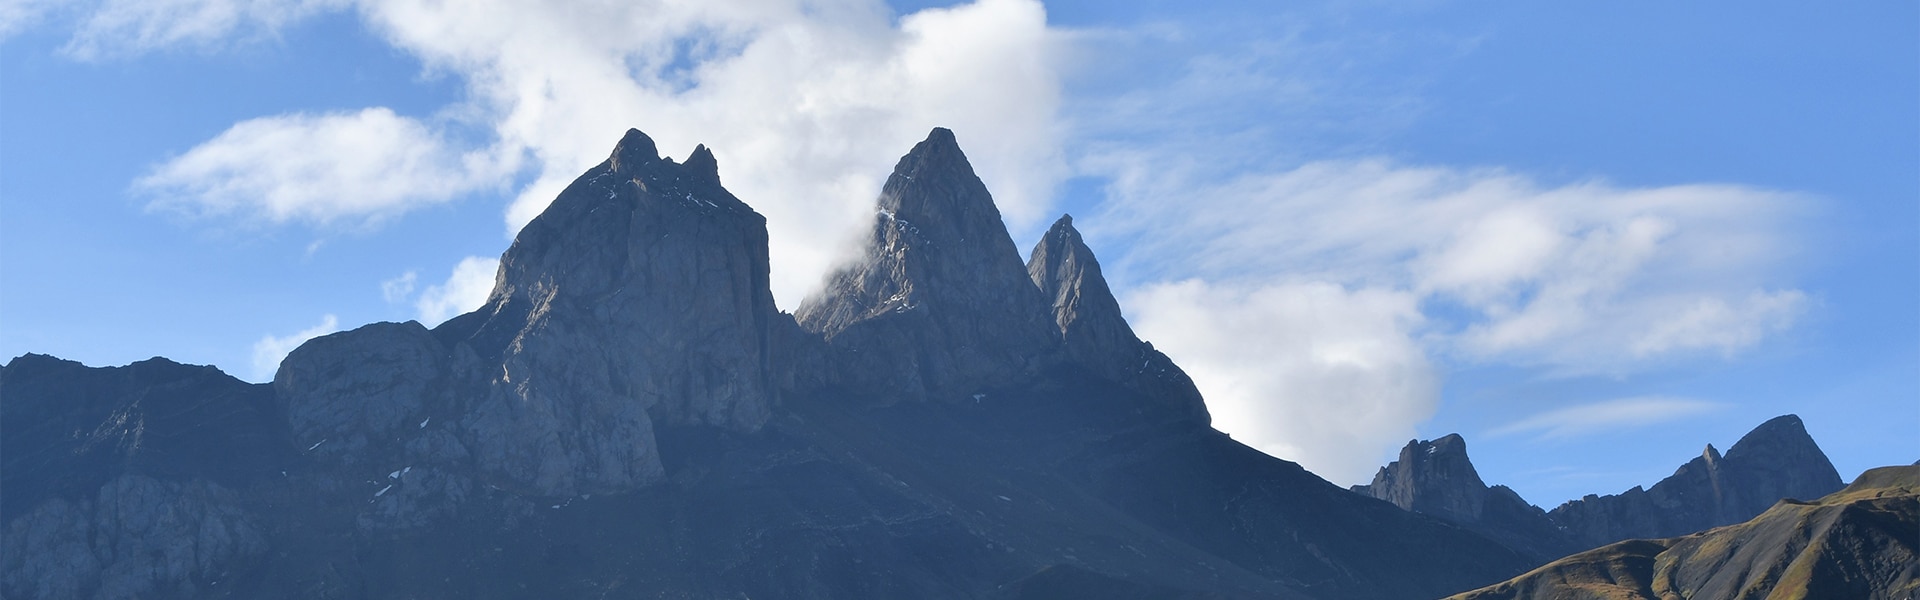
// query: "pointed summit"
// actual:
[[702, 166], [1095, 332], [634, 150], [638, 298], [1776, 460], [1436, 478], [938, 303]]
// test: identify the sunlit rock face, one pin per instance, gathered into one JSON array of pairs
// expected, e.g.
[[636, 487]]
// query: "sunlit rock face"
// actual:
[[1096, 334], [937, 304]]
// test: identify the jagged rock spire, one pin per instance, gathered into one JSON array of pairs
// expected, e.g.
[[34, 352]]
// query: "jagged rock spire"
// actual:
[[639, 296], [938, 303], [1095, 332]]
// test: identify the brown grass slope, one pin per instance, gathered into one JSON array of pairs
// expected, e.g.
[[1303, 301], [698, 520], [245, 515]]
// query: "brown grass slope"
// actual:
[[1860, 542]]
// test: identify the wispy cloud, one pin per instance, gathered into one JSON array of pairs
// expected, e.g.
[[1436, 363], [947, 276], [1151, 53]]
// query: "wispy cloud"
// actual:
[[1611, 415], [270, 350], [1580, 278], [400, 288], [120, 27], [355, 168], [805, 104], [465, 289], [1315, 373]]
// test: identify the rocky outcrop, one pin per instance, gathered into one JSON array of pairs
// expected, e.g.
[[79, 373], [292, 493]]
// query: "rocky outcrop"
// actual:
[[67, 429], [1776, 460], [639, 297], [138, 537], [1861, 542], [938, 303], [1437, 478], [118, 482], [1095, 333]]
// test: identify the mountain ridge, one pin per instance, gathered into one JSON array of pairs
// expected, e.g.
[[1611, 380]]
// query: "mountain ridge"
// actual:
[[1775, 460], [629, 416]]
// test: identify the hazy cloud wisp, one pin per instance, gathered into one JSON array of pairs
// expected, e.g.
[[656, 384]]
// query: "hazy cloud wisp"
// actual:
[[464, 290], [1622, 413], [354, 169], [270, 350]]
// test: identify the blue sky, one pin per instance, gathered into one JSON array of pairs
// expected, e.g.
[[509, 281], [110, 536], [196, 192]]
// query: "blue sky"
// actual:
[[1591, 239]]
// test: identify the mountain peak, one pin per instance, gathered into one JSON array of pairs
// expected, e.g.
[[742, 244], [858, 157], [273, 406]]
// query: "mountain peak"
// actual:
[[1437, 478], [1776, 460], [581, 350], [1095, 332], [701, 165], [634, 151], [938, 283], [1785, 432]]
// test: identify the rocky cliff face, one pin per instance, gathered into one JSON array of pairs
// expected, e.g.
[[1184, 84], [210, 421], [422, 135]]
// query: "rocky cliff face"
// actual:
[[630, 417], [120, 482], [640, 295], [1776, 460], [937, 305], [1436, 478], [1095, 333]]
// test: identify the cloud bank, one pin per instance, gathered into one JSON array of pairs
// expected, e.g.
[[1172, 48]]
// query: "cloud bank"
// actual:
[[1392, 267]]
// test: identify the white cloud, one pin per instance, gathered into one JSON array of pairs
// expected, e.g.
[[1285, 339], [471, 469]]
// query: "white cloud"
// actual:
[[353, 168], [270, 350], [1315, 373], [466, 289], [117, 27], [400, 288], [805, 104], [1611, 415], [1579, 278], [18, 15]]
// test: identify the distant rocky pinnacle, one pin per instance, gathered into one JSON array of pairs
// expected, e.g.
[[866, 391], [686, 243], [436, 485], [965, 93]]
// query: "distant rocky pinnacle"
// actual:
[[1776, 460], [1436, 478], [1095, 333], [938, 304]]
